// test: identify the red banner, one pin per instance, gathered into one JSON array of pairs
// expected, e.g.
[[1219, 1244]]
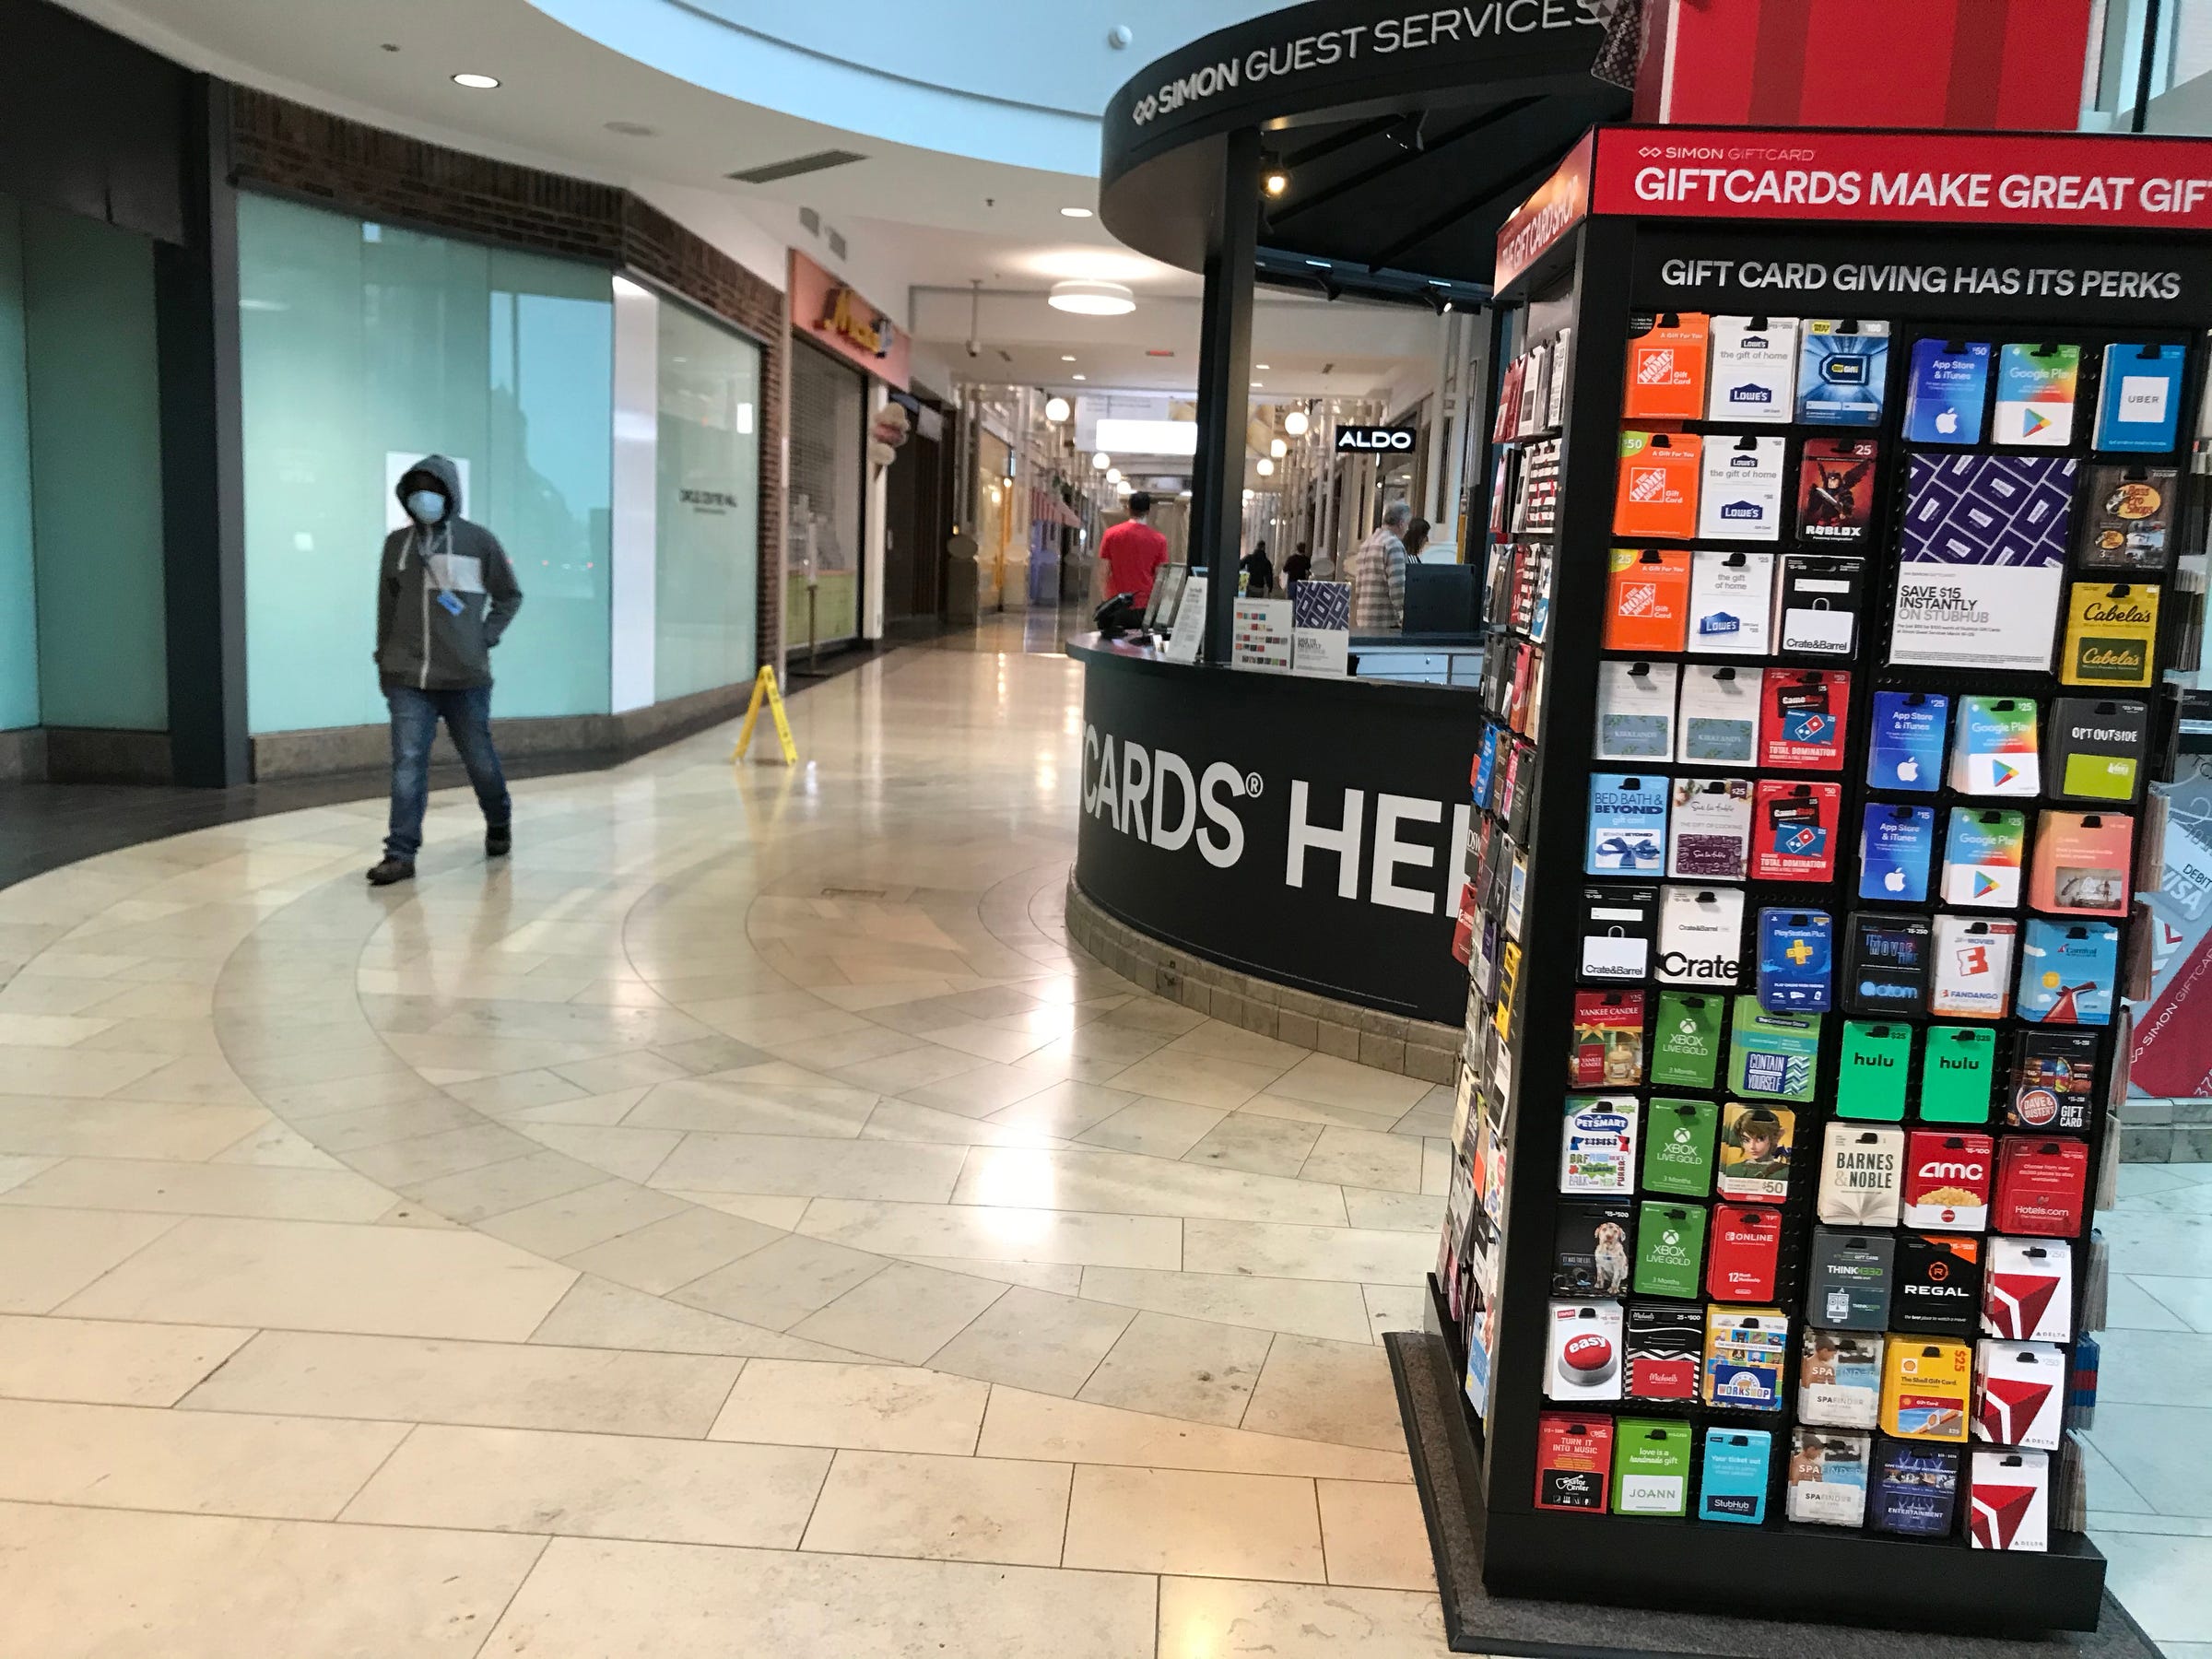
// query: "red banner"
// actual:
[[1904, 178], [1559, 204]]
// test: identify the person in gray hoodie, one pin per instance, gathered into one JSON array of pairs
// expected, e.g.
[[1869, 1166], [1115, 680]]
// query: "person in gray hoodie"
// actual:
[[445, 593]]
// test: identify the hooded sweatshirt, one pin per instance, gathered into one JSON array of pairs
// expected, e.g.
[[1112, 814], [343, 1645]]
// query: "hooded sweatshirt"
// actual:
[[422, 639]]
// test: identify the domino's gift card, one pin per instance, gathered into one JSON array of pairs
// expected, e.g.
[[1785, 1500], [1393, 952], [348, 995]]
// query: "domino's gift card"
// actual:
[[1908, 739]]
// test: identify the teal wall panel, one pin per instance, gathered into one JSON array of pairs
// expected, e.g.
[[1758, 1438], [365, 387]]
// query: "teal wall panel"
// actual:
[[18, 591], [707, 513]]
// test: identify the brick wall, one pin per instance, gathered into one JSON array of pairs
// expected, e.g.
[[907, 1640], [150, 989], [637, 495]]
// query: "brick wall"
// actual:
[[310, 153]]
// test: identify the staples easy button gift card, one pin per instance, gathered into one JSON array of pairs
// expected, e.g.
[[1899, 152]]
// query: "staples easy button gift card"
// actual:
[[1740, 499]]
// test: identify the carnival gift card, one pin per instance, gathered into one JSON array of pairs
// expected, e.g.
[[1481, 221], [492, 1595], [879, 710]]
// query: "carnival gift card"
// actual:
[[1907, 742], [1636, 710], [1747, 1351], [1628, 825], [2068, 970], [1677, 1146], [1657, 494], [1685, 1042], [2081, 864], [1651, 1467], [1873, 1070], [1938, 1288], [1860, 1174], [2030, 1295], [1667, 367], [1670, 1249], [1731, 601], [1734, 1487], [1709, 831], [1754, 369], [2127, 517], [1817, 599], [1755, 1150], [1895, 846], [2098, 747], [1973, 966], [1584, 1351], [1839, 1372], [1928, 1387], [1828, 1477], [2035, 395], [1850, 1287], [1597, 1150], [1835, 490], [1700, 937], [1949, 1173], [1616, 929], [1801, 727], [1746, 1247], [1794, 830], [2054, 1082], [1719, 716], [2139, 405], [2112, 634], [1607, 1049], [1996, 751], [1984, 548], [1574, 1462], [1647, 599], [1956, 1071], [1796, 961], [1915, 1490], [1740, 497], [1665, 1346], [2041, 1184], [1982, 851], [1948, 391], [1843, 363], [1887, 963], [2019, 1394], [2009, 1496]]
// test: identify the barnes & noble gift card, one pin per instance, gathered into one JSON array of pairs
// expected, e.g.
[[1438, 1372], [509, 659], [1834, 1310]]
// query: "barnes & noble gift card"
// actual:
[[1948, 393], [1817, 599], [2127, 517], [2035, 395], [1996, 751], [1957, 1070], [1754, 369], [2112, 634], [1719, 716], [1700, 937], [1636, 710], [1628, 824], [1835, 490], [1896, 844], [1677, 1146], [1657, 494], [2098, 747], [1731, 601], [1740, 498], [1755, 1150], [1839, 1374], [1973, 966], [1794, 830], [1667, 367], [1886, 964], [1842, 365], [1647, 599], [2067, 970], [1983, 547], [2139, 405], [1861, 1171], [1906, 747], [2082, 861], [1982, 851], [1802, 728], [1709, 831]]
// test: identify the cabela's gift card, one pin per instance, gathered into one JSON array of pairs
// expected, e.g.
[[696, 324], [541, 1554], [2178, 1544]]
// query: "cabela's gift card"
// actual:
[[2112, 634]]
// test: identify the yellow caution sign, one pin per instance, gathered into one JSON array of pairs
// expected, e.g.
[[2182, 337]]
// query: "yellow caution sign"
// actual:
[[764, 690]]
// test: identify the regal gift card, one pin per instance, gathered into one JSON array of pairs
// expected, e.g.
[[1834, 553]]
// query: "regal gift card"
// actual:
[[1905, 750], [1887, 962], [1647, 599], [1700, 937], [1719, 716], [2035, 395], [1939, 1290], [1597, 1151], [1754, 1148], [2139, 405], [1657, 493], [1807, 710], [1982, 851], [1835, 490], [1840, 1375], [1948, 391], [1731, 601], [2068, 970], [1896, 845], [1860, 1172], [1842, 365], [1740, 497], [1794, 830], [1665, 377], [1628, 824], [1995, 753], [2112, 634], [1796, 961], [1973, 966], [1754, 369], [1678, 1146], [1957, 1070], [2127, 517], [1984, 548], [2082, 861], [2098, 747], [1636, 710], [1709, 831]]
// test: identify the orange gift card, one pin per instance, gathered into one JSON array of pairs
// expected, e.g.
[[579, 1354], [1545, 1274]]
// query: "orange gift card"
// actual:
[[1666, 368], [1647, 599], [1658, 490], [2081, 864]]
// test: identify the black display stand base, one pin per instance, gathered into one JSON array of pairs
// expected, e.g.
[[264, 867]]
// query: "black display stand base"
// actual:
[[1645, 1584]]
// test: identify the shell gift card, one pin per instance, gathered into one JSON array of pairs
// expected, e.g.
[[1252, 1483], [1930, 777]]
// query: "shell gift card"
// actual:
[[1927, 1385], [1802, 729], [1667, 367], [1647, 599], [1657, 493]]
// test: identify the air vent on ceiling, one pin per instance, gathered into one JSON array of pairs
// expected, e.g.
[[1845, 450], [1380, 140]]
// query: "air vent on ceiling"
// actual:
[[773, 171], [810, 221], [837, 244]]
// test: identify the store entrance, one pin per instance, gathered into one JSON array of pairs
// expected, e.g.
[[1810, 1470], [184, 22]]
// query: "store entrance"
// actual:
[[824, 525]]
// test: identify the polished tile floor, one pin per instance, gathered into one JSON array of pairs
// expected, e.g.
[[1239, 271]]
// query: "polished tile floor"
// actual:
[[741, 1224]]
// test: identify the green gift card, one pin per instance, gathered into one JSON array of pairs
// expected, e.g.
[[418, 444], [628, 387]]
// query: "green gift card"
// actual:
[[1651, 1467], [1670, 1249], [1677, 1146], [1773, 1054], [1685, 1045], [1956, 1072], [1875, 1066]]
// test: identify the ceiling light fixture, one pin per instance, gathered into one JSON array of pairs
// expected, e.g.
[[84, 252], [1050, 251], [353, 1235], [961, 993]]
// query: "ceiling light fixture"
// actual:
[[477, 83], [1113, 475], [1275, 178], [1089, 297], [1263, 367], [1265, 468], [1256, 385], [1100, 462], [1074, 213], [1067, 357], [1078, 377], [1057, 409], [1278, 448], [1295, 423]]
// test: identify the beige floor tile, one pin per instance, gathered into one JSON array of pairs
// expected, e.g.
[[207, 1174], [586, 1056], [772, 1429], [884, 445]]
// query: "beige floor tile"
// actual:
[[89, 1584], [517, 1091], [277, 1146], [1334, 1082], [1022, 1424], [76, 1074], [1283, 1109], [53, 1255], [840, 1049], [639, 1069], [204, 1189], [1156, 1128], [1107, 1183], [782, 1283], [997, 1233], [661, 1255], [1302, 1307], [903, 1312], [1395, 1212], [1364, 1158], [770, 1211], [312, 1275], [1064, 1109], [100, 1362], [866, 1407], [1185, 1368], [912, 1066], [565, 1224], [497, 1385], [1155, 1014], [1375, 1535], [1362, 1255], [597, 1485], [600, 1313], [1200, 1617], [1057, 1278], [135, 1457], [1264, 1145], [984, 1089], [1329, 1390], [1034, 1340], [955, 1508], [47, 1030], [15, 1171], [897, 1120], [591, 1599], [602, 1111], [122, 1128], [803, 1166], [1226, 1041], [414, 1159], [1395, 1308], [1195, 1523], [1201, 1079], [735, 1105], [631, 1153]]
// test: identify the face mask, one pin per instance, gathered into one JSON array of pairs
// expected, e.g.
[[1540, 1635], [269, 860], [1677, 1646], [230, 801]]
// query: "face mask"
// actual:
[[427, 506]]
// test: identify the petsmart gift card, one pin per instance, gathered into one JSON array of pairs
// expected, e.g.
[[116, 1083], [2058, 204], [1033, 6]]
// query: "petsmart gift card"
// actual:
[[1948, 391], [1907, 748], [1896, 847]]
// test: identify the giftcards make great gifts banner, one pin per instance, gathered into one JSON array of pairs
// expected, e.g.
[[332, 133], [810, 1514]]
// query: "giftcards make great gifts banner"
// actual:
[[1985, 555]]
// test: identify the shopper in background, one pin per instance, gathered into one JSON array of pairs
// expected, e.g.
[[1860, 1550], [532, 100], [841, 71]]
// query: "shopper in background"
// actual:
[[1259, 572], [1379, 575], [444, 595], [1416, 538], [1298, 568], [1131, 553]]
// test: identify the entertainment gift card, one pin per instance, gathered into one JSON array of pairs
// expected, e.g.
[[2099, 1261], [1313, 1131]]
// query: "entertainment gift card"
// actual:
[[1835, 490], [1948, 391], [1802, 724], [1843, 363], [1896, 847], [1754, 369], [1906, 748], [1915, 1491], [1740, 499], [2035, 395], [1730, 601]]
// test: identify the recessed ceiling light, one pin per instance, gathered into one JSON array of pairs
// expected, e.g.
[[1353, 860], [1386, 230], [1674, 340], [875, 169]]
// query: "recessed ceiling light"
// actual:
[[1074, 213], [1067, 357], [1092, 299], [1256, 385], [1263, 367], [1078, 377], [478, 83]]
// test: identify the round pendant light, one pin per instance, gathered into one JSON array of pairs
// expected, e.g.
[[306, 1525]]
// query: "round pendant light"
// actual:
[[1295, 423], [1278, 448], [1100, 462], [1089, 297], [1265, 468], [1057, 409]]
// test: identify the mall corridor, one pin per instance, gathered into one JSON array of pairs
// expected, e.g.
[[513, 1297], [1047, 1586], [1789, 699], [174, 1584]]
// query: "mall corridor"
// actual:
[[740, 1224]]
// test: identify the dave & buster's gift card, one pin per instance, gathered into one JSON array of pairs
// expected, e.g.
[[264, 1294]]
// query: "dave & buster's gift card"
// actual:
[[2053, 1081]]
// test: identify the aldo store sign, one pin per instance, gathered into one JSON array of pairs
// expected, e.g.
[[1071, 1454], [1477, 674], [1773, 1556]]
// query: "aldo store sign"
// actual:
[[1319, 847], [1375, 441]]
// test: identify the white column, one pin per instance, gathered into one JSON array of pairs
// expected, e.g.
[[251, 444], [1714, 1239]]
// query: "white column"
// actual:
[[878, 495], [636, 494]]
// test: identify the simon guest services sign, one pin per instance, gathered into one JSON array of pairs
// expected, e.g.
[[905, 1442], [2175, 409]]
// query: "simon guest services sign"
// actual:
[[836, 316]]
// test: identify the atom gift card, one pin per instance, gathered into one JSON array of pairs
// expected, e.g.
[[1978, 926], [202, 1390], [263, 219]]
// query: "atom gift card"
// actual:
[[1667, 367], [2066, 973], [1584, 1351], [1754, 369], [1906, 751], [2035, 395], [2019, 1394], [1896, 845], [2009, 1499], [1835, 490], [2140, 407], [1982, 856], [1995, 753], [1574, 1462], [1741, 496], [1794, 830], [1886, 964], [1843, 363], [1948, 391], [1657, 494], [1802, 729]]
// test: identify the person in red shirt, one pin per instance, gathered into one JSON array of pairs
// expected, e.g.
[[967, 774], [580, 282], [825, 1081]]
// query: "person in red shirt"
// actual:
[[1132, 552]]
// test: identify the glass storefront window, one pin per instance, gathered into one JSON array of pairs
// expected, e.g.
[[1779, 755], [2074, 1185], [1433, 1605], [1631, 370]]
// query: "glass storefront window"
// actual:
[[828, 414], [707, 522]]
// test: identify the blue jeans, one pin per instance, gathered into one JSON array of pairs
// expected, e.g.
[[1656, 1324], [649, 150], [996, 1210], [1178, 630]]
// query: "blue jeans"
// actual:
[[415, 716]]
